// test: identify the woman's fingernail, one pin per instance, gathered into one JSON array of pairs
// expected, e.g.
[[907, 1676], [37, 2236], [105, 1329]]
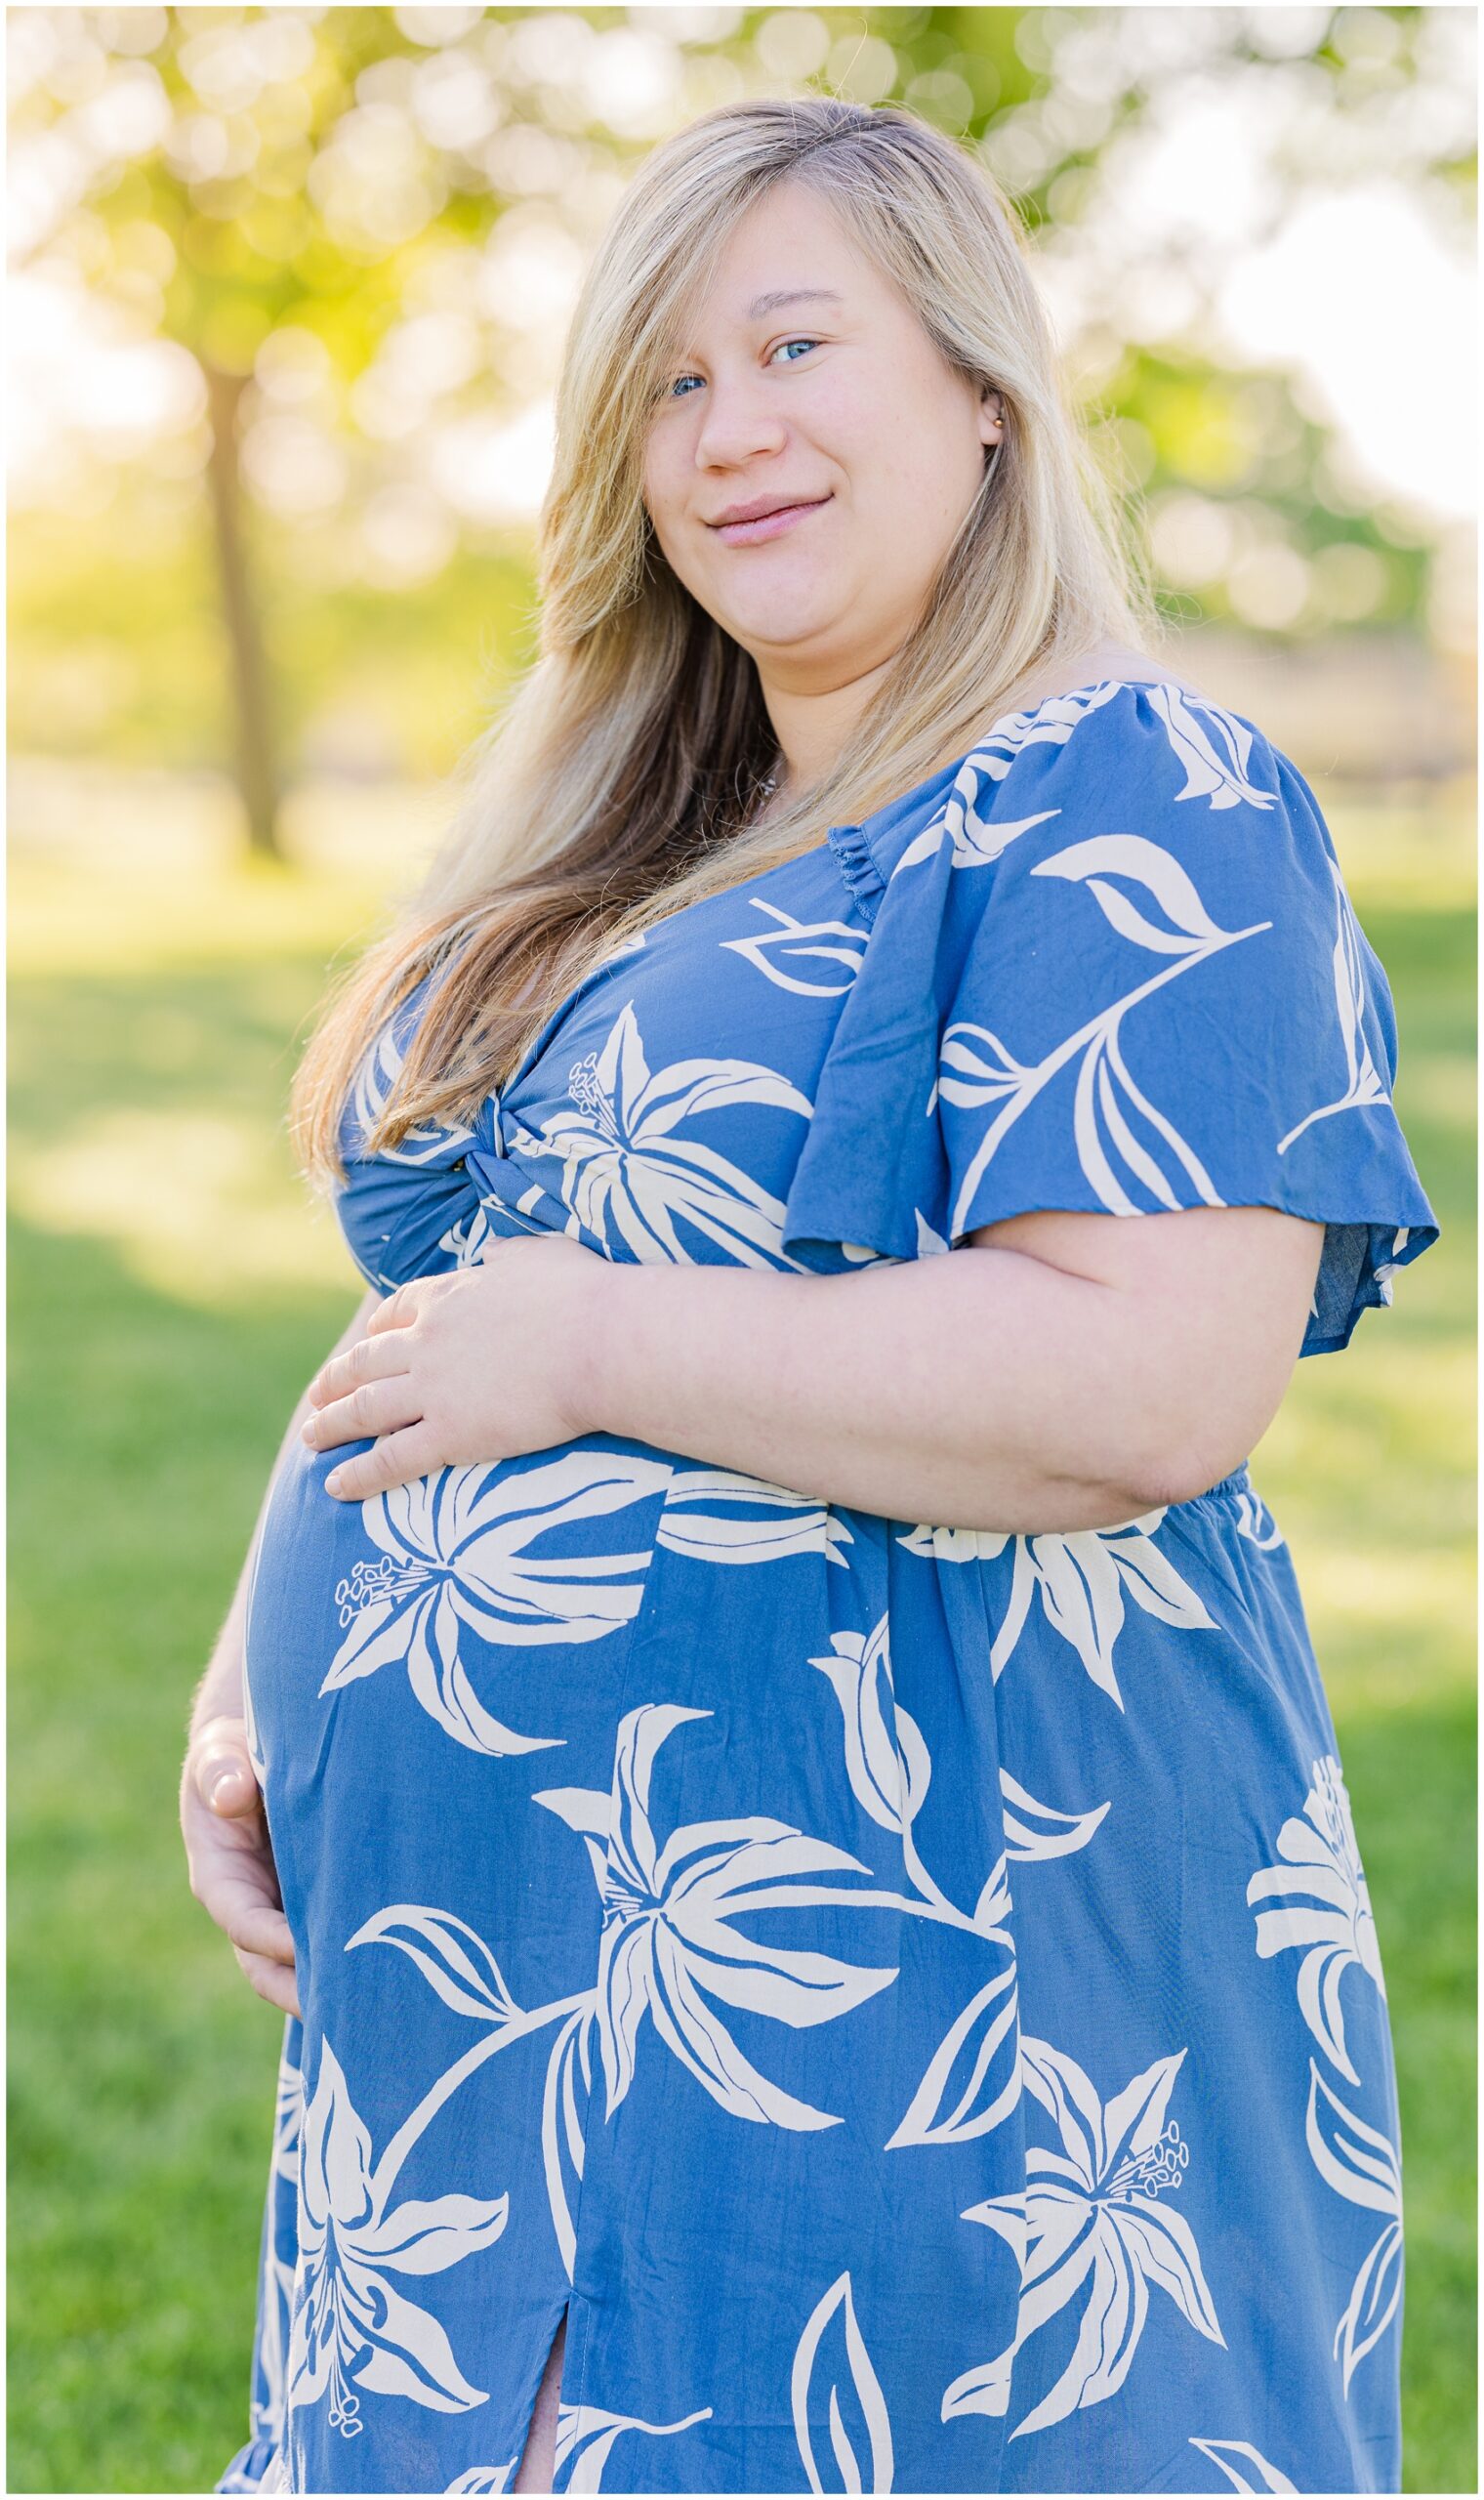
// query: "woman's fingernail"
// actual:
[[332, 1481], [218, 1793]]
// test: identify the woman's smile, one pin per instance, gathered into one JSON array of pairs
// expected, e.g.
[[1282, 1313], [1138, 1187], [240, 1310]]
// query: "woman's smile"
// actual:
[[769, 524]]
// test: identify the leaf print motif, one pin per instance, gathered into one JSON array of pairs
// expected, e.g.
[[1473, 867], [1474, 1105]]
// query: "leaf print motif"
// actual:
[[1213, 749], [974, 843], [1092, 2217], [626, 1174], [1034, 1830], [1107, 1109], [353, 2330], [887, 1760], [797, 942], [975, 1067], [1365, 1085], [1255, 1522], [695, 1520], [973, 2078], [463, 1546], [668, 1943], [831, 2363], [1241, 2463], [1330, 1920], [977, 841], [485, 2478], [1140, 863], [455, 1961], [1364, 2166], [585, 2435]]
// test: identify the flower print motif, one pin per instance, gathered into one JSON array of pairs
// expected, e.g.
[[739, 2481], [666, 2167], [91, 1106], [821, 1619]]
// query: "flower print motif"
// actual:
[[1363, 2166], [834, 2386], [464, 1547], [1365, 1086], [353, 2330], [1330, 1920], [1092, 2210], [1083, 1581], [833, 944], [1124, 1142], [584, 2434], [668, 1943], [710, 1513], [1242, 2466], [626, 1174], [1213, 749]]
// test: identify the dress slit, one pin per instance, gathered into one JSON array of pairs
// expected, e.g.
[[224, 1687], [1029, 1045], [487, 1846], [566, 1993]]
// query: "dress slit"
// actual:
[[547, 2386]]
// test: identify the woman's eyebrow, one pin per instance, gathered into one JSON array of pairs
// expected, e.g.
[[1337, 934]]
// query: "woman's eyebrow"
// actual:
[[780, 296]]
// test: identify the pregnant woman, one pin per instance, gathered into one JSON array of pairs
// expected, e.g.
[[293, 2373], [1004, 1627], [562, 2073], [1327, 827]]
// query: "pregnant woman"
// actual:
[[821, 1923]]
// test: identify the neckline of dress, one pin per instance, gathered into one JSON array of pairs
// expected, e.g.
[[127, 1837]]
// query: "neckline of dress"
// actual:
[[838, 839]]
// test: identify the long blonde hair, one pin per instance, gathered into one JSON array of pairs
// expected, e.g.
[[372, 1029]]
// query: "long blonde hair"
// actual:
[[612, 786]]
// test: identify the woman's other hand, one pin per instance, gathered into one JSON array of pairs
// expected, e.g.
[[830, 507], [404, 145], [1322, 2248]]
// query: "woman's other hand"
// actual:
[[487, 1364], [232, 1861]]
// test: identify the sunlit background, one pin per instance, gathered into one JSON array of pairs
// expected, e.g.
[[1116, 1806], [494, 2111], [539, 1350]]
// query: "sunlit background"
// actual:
[[288, 296]]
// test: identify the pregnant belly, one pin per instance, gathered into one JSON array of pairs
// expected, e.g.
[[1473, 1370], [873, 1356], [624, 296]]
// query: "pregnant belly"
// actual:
[[445, 1586]]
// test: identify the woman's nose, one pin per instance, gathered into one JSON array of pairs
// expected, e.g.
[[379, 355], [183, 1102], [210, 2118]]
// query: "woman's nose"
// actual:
[[737, 423]]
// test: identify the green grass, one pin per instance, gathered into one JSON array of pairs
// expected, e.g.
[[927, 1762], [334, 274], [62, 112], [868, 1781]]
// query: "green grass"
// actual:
[[170, 1294]]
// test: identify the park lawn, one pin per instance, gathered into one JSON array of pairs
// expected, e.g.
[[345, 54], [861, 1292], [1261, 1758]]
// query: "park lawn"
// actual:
[[170, 1292]]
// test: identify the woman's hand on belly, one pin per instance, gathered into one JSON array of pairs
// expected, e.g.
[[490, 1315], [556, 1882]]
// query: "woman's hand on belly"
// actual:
[[484, 1364], [231, 1858]]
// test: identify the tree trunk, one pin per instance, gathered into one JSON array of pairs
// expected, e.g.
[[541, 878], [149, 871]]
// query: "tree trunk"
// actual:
[[256, 770]]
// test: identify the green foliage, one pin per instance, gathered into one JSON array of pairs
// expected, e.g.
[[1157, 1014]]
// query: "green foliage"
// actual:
[[172, 1293], [304, 184]]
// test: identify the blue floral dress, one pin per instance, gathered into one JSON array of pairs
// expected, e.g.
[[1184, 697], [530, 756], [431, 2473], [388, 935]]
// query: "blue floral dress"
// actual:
[[908, 1994]]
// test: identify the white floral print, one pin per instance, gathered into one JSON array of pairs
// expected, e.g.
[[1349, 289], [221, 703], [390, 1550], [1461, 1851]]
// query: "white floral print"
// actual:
[[1094, 2213], [354, 2333], [463, 1548], [1327, 1914], [784, 2022], [1082, 1580], [628, 1172], [668, 1942]]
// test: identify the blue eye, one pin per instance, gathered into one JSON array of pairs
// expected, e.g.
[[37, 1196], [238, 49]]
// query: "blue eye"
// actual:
[[673, 389]]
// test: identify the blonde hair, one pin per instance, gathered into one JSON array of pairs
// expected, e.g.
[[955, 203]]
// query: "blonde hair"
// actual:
[[611, 787]]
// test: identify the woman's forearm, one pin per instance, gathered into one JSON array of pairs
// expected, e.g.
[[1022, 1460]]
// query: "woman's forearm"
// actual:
[[979, 1388], [1060, 1371]]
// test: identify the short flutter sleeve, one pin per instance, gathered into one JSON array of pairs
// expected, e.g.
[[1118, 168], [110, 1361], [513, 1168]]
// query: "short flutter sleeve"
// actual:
[[1113, 968]]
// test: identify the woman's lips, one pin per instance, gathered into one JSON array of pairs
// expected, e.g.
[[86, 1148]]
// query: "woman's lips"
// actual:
[[746, 533]]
